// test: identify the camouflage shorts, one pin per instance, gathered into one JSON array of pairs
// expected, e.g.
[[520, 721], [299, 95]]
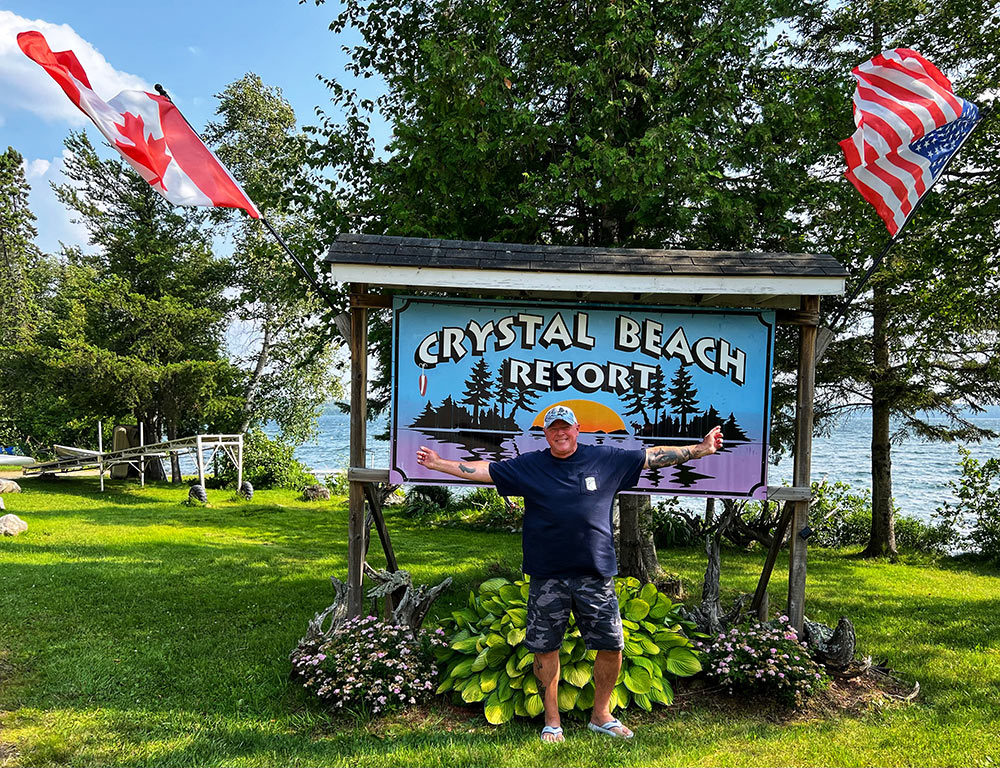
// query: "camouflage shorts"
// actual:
[[593, 603]]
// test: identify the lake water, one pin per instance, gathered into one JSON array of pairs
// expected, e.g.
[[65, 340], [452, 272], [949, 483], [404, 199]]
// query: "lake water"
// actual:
[[921, 470]]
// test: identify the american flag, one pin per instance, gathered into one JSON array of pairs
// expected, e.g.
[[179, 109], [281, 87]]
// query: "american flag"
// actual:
[[910, 124]]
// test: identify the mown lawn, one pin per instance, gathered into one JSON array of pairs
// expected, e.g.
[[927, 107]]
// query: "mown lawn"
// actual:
[[135, 630]]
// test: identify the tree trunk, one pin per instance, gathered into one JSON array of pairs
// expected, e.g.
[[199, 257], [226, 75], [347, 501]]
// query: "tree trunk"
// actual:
[[637, 550], [175, 459], [250, 397], [883, 535]]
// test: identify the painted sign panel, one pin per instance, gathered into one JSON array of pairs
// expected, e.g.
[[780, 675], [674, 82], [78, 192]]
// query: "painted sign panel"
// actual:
[[472, 380]]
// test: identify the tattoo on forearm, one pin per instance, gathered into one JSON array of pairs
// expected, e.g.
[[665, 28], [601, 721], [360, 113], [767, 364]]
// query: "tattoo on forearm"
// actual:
[[665, 456], [467, 470]]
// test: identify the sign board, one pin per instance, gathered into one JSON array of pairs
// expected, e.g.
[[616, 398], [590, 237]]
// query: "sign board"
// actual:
[[471, 379]]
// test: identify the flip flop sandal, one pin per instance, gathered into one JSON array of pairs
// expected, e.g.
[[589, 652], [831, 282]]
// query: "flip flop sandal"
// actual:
[[607, 729], [555, 730]]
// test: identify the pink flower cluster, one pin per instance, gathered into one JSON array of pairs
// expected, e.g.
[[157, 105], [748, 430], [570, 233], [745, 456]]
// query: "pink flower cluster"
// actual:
[[763, 657], [368, 666]]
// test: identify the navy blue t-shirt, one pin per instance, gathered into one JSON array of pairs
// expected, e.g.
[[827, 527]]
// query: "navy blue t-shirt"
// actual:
[[567, 506]]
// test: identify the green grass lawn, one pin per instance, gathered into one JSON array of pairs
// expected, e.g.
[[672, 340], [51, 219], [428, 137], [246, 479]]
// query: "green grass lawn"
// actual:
[[135, 630]]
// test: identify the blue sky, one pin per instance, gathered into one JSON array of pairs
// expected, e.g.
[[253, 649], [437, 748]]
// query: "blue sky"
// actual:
[[194, 49]]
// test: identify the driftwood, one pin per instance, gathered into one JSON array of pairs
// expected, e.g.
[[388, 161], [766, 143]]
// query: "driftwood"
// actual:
[[410, 612], [833, 648], [708, 616], [412, 609]]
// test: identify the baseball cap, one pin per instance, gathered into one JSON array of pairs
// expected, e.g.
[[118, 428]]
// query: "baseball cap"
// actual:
[[558, 413]]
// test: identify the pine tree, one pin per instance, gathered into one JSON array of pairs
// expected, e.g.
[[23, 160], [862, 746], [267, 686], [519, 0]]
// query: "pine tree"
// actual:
[[478, 389], [657, 395], [19, 256], [682, 395]]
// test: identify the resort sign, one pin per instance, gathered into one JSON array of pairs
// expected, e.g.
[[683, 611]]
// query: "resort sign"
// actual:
[[472, 380]]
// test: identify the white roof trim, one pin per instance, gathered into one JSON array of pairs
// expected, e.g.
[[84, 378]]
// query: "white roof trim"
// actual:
[[571, 282]]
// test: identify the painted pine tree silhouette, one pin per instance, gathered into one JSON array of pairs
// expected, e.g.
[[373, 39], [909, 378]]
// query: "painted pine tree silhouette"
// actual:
[[506, 389], [657, 394], [635, 404], [478, 389], [682, 395]]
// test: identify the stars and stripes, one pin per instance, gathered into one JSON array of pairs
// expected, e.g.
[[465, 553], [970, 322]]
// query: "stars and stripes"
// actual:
[[909, 125]]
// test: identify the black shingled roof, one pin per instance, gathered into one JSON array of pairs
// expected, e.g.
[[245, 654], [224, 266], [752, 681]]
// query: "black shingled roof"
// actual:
[[386, 251]]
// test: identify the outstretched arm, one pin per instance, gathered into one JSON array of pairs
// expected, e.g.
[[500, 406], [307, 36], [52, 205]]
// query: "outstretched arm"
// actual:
[[477, 471], [666, 455]]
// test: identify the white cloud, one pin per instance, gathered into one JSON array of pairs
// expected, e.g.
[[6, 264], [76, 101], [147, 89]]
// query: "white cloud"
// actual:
[[194, 50], [54, 223], [36, 168], [26, 86]]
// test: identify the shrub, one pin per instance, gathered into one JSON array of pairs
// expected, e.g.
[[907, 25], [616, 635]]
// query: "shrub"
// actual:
[[369, 667], [424, 501], [267, 463], [491, 510], [486, 661], [843, 518], [763, 658], [974, 520], [670, 527]]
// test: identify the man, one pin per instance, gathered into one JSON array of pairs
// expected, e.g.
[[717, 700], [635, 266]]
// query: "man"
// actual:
[[568, 546]]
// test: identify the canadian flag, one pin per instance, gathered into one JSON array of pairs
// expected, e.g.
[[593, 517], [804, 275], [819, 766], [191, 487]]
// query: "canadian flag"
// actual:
[[149, 131]]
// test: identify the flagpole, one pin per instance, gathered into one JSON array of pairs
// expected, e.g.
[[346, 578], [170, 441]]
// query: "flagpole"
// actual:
[[830, 330], [309, 276]]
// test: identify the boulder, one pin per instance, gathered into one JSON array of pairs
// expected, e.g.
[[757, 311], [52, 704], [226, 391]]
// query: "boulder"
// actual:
[[316, 493], [9, 486], [12, 525], [246, 490]]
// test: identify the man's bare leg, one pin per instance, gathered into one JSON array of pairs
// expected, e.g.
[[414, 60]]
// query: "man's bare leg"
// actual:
[[547, 674], [607, 665]]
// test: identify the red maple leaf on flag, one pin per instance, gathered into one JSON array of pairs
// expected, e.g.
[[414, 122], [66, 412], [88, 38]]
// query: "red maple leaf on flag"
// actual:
[[146, 151]]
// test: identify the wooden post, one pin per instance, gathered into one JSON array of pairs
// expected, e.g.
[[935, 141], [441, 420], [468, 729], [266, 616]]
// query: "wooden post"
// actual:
[[359, 413], [200, 459], [803, 461], [100, 452], [142, 457]]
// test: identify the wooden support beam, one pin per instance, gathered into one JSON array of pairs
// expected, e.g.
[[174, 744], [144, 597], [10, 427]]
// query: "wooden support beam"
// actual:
[[371, 494], [365, 475], [359, 413], [760, 593], [370, 301], [788, 493], [803, 464]]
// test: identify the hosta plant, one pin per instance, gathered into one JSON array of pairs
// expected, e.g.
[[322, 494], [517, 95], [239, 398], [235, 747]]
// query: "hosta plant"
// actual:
[[486, 661]]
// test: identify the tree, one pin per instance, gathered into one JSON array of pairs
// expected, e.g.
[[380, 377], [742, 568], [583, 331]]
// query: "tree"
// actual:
[[656, 397], [597, 124], [134, 328], [288, 356], [922, 342], [682, 395], [19, 257], [478, 389]]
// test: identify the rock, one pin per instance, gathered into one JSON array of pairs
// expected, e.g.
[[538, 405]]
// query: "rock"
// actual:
[[831, 647], [9, 486], [246, 490], [12, 525], [316, 493], [197, 493]]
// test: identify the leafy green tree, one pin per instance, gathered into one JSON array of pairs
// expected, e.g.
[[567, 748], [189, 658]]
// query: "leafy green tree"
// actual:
[[632, 123], [287, 355], [134, 328], [921, 350]]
